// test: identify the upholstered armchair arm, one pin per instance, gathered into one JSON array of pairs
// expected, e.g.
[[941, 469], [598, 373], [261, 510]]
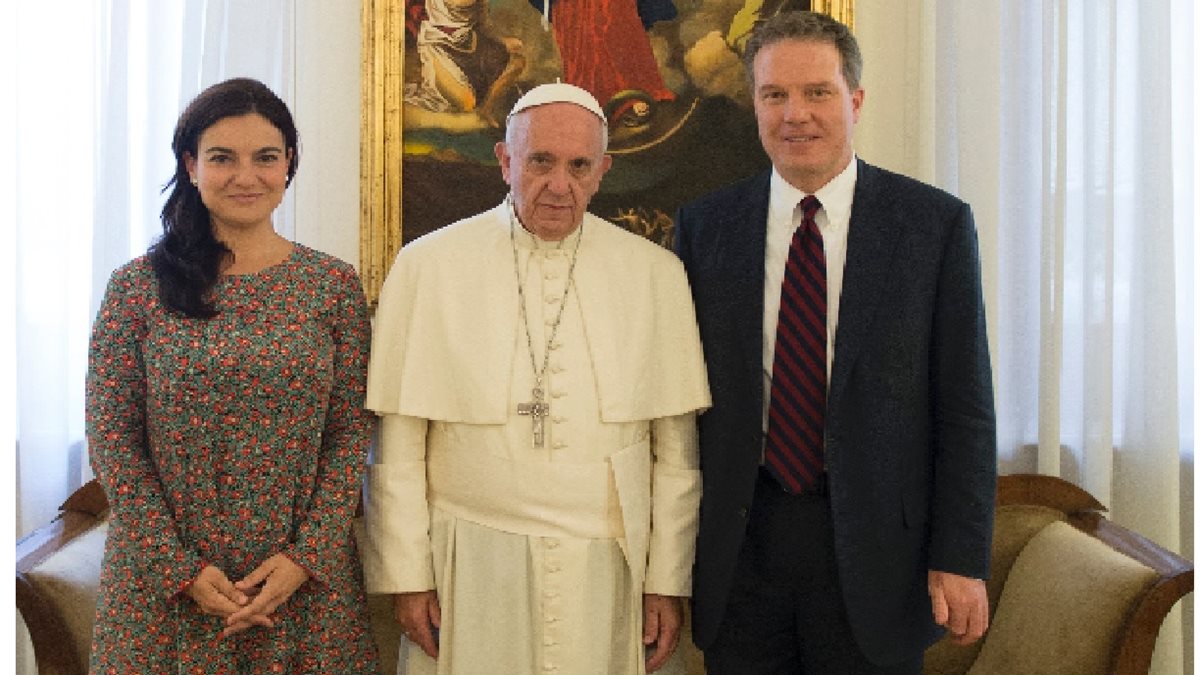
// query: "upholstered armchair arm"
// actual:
[[1071, 591], [45, 576], [1175, 579], [1175, 575]]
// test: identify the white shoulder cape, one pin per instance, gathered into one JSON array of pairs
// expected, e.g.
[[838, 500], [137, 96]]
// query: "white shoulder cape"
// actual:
[[445, 341], [445, 332]]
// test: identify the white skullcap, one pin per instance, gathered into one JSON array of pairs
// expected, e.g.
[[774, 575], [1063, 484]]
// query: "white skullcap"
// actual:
[[558, 92]]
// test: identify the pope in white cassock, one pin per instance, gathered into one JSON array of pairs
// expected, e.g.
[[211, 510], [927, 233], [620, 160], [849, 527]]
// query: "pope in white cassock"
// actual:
[[533, 499]]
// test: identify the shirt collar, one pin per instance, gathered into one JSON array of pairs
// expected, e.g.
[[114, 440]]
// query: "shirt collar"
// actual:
[[836, 196]]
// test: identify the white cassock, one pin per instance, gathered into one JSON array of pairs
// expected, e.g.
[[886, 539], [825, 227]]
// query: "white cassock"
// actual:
[[540, 555]]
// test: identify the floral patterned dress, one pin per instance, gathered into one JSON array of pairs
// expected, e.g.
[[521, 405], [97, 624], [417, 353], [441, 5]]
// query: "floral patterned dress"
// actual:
[[224, 442]]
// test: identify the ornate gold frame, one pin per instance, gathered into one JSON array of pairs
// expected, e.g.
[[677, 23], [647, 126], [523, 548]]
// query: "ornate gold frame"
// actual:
[[382, 130]]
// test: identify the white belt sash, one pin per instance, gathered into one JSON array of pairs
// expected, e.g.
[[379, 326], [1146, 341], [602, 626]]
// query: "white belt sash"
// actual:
[[597, 500]]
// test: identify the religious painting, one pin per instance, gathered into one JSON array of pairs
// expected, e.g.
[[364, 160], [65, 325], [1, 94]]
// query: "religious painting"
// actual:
[[441, 75]]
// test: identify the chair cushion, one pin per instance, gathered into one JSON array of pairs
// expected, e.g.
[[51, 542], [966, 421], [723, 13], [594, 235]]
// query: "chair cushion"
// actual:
[[70, 581], [1016, 524], [1065, 599]]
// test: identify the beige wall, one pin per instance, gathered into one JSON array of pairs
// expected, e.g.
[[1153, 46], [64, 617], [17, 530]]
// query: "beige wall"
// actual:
[[327, 114], [888, 33]]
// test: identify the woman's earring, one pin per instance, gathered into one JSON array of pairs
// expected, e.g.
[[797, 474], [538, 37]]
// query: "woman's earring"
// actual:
[[195, 183]]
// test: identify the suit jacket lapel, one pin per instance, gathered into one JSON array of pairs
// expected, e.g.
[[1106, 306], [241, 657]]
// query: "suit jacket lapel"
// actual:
[[870, 249], [747, 247]]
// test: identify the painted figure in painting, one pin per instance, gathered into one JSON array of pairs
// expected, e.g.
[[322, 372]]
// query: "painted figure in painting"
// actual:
[[604, 49], [464, 67]]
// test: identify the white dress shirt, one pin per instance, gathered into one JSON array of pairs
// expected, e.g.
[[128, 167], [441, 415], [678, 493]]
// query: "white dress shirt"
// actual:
[[783, 217]]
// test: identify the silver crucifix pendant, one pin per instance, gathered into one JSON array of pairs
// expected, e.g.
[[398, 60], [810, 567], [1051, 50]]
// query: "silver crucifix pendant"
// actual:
[[537, 409]]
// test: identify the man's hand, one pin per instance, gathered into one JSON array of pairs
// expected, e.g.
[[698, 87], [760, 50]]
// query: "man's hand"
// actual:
[[960, 604], [270, 584], [419, 614], [663, 617]]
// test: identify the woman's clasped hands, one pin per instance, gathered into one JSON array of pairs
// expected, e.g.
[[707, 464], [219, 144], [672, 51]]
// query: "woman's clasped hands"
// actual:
[[251, 601]]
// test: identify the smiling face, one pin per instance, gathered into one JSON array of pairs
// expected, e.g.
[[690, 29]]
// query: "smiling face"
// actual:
[[241, 171], [553, 161], [805, 110]]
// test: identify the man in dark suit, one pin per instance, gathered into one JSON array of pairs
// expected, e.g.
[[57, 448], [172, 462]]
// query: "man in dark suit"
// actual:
[[849, 458]]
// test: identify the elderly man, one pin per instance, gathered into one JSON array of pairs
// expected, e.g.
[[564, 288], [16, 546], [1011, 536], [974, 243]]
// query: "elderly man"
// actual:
[[533, 501]]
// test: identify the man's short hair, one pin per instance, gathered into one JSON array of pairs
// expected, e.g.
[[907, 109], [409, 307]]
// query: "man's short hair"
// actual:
[[807, 27]]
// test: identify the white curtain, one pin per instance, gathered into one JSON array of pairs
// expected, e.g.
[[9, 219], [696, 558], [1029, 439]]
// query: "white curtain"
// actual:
[[1069, 125], [95, 90]]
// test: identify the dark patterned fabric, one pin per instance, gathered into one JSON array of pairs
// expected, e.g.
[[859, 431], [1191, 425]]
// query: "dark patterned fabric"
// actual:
[[223, 442]]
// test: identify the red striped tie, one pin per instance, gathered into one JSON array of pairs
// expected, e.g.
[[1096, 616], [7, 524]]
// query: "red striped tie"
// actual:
[[795, 445]]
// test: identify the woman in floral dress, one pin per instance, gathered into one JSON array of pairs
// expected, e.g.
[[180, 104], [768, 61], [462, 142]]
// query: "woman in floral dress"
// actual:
[[225, 421]]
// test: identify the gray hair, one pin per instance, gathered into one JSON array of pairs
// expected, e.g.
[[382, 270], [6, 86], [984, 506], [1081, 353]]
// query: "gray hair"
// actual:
[[807, 27]]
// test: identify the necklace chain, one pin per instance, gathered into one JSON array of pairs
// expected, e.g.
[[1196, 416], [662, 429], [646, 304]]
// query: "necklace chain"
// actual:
[[538, 374]]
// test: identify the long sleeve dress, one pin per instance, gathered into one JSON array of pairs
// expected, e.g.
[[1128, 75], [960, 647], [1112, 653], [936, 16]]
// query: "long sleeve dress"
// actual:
[[223, 442]]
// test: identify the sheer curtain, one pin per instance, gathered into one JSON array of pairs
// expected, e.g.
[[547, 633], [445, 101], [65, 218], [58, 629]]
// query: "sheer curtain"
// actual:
[[96, 89], [1069, 125]]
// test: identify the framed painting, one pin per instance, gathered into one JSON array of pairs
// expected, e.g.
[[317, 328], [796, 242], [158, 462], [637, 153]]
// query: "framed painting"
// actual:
[[438, 77]]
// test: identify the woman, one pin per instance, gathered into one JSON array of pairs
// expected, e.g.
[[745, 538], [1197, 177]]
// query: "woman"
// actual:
[[225, 421]]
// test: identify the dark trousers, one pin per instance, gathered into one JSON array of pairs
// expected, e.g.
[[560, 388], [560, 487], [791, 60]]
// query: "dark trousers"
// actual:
[[785, 614]]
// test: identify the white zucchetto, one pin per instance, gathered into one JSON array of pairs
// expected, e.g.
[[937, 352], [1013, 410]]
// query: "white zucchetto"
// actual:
[[558, 92]]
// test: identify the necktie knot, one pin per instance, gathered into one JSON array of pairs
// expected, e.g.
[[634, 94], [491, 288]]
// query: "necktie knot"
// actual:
[[809, 207]]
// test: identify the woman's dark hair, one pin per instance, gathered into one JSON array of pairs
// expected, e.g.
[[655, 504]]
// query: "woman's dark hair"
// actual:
[[187, 258]]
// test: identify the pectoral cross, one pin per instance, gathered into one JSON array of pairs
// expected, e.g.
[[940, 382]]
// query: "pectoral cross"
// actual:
[[537, 409]]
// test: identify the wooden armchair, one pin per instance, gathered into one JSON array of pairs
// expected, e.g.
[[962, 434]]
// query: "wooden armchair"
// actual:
[[58, 574], [1071, 591], [58, 579]]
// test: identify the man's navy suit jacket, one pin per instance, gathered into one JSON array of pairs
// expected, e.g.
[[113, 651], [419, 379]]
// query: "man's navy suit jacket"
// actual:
[[910, 434]]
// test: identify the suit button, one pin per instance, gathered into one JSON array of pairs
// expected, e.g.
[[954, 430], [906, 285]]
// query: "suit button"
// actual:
[[743, 512]]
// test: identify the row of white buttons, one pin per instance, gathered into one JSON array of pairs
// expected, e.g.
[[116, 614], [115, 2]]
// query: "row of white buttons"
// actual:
[[550, 595]]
